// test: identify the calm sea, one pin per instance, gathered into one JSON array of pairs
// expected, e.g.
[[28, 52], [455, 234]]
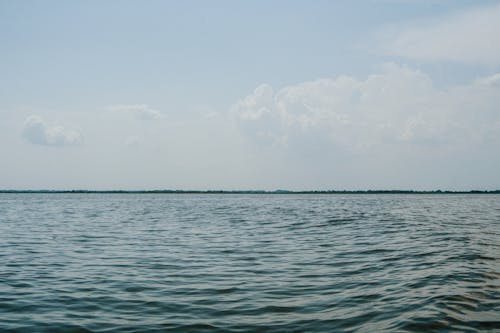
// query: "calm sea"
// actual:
[[249, 263]]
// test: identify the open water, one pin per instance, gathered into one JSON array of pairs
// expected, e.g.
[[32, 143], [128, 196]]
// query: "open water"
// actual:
[[249, 263]]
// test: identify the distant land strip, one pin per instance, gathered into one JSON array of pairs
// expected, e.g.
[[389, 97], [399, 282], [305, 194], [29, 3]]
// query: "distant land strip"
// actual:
[[254, 191]]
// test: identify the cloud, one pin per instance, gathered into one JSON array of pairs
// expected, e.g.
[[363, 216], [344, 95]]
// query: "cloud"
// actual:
[[141, 111], [38, 132], [492, 80], [470, 37], [399, 106], [256, 105], [258, 114]]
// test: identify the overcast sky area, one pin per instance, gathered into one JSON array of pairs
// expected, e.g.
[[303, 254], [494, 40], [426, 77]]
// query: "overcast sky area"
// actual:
[[299, 95]]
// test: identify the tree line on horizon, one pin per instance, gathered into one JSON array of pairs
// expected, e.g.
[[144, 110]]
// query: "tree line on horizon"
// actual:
[[261, 191]]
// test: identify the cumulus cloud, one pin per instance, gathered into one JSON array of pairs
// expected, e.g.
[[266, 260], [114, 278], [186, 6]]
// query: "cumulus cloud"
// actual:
[[141, 111], [470, 37], [259, 115], [397, 106], [38, 132]]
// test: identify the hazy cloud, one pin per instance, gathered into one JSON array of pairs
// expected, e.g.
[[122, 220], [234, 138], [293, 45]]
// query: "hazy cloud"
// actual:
[[492, 80], [256, 105], [398, 106], [471, 36], [141, 111], [38, 132]]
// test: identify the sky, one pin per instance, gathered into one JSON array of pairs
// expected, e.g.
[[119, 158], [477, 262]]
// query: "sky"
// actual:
[[298, 95]]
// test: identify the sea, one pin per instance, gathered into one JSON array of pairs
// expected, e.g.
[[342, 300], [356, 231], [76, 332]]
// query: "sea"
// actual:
[[249, 262]]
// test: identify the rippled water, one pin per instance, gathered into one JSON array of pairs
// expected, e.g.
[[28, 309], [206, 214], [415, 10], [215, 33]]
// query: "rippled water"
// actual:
[[249, 263]]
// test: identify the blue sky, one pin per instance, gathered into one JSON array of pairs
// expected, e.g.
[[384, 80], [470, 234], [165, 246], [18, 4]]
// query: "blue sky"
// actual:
[[240, 94]]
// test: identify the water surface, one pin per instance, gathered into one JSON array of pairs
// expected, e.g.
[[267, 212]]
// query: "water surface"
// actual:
[[249, 263]]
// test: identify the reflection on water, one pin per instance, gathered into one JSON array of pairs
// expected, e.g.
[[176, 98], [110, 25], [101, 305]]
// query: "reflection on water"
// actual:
[[249, 263]]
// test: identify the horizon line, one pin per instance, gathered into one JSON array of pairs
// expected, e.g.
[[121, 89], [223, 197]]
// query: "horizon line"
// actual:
[[279, 191]]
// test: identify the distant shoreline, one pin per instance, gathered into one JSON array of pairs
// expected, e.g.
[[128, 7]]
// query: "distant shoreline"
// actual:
[[248, 192]]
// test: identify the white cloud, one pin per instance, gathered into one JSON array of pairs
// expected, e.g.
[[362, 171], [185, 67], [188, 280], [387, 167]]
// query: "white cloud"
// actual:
[[141, 111], [471, 36], [256, 105], [399, 106], [259, 115], [38, 132], [492, 80]]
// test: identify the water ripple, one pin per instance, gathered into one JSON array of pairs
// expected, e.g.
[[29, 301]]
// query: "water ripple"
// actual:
[[249, 263]]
